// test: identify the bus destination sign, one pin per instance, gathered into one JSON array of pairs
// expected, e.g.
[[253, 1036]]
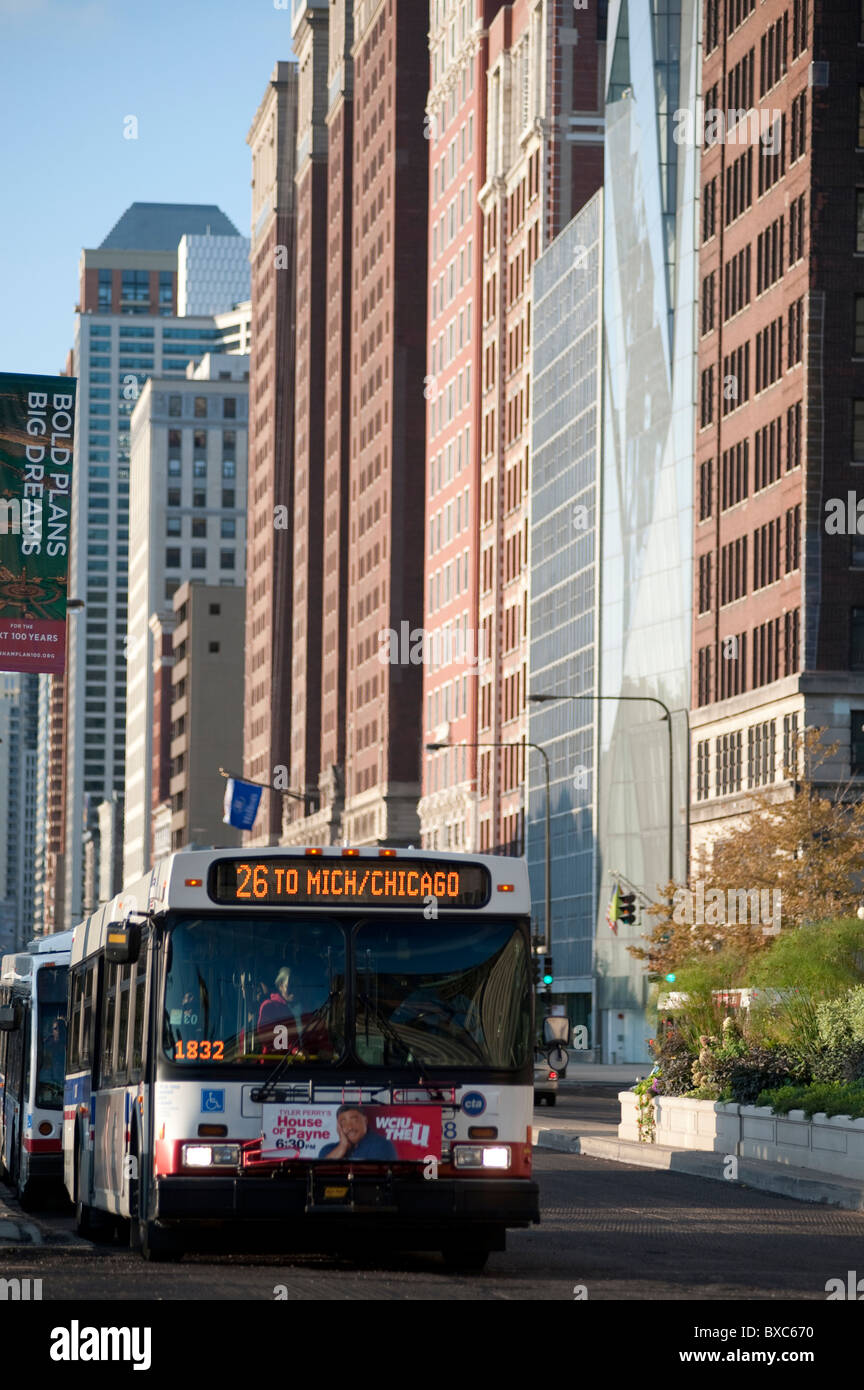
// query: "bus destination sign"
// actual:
[[329, 882]]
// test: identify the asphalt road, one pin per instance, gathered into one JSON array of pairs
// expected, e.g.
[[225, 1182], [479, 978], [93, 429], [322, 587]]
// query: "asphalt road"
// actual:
[[609, 1231]]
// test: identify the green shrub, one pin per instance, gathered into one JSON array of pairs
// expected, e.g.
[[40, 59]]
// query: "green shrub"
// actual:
[[834, 1098]]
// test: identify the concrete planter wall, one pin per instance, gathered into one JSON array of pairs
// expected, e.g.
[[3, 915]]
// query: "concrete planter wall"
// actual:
[[834, 1145]]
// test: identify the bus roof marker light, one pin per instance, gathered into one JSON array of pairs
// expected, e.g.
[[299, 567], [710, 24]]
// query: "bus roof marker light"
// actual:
[[316, 850], [350, 853], [506, 888], [387, 854], [194, 882]]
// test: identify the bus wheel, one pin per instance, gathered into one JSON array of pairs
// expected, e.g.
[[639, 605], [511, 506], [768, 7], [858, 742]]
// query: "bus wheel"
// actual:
[[157, 1245], [465, 1259]]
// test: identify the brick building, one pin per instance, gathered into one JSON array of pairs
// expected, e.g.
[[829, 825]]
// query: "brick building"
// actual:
[[267, 700], [778, 612]]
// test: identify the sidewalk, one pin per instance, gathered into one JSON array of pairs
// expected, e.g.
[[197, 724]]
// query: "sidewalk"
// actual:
[[599, 1139]]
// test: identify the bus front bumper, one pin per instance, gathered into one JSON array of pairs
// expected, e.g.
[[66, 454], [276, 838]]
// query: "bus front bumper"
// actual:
[[397, 1202]]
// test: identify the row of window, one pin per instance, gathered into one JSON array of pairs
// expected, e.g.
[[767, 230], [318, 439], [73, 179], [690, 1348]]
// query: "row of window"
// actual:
[[769, 364], [762, 767], [774, 650], [775, 551]]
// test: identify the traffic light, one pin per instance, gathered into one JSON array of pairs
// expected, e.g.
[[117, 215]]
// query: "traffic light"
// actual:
[[548, 973], [628, 908]]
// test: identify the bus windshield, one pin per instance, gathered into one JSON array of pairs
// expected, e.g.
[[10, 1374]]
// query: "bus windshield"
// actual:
[[255, 989], [450, 994], [453, 993], [51, 1023]]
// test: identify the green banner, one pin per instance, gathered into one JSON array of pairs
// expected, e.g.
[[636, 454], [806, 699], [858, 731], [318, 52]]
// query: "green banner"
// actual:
[[37, 428]]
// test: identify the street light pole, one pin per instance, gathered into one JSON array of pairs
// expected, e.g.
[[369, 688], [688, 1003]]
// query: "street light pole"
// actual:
[[435, 747], [667, 714]]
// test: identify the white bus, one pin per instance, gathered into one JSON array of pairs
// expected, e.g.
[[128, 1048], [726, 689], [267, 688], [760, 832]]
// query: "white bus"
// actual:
[[32, 1064], [328, 1044]]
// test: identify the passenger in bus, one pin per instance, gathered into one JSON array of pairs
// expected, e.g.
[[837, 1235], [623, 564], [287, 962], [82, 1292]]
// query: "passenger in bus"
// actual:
[[278, 1010], [357, 1139], [54, 1052]]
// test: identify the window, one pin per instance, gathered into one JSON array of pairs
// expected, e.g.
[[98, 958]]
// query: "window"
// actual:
[[859, 219], [859, 325], [708, 303], [709, 209], [229, 408], [173, 526], [228, 528], [229, 468], [799, 27], [135, 287], [199, 527], [798, 130], [172, 558], [706, 408], [706, 471], [215, 610], [166, 291], [200, 407], [174, 468], [856, 720], [761, 741], [173, 497], [226, 560], [105, 281], [727, 764], [227, 497], [703, 770], [175, 405], [199, 499], [796, 230], [793, 538], [213, 648], [793, 437], [796, 332], [199, 468], [199, 559]]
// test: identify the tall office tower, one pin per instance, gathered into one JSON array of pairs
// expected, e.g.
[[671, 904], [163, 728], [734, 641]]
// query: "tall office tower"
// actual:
[[455, 126], [206, 693], [650, 196], [125, 331], [19, 723], [267, 702], [543, 161], [311, 40], [40, 827], [161, 626], [382, 535], [188, 482], [212, 272], [778, 584], [564, 591], [50, 916], [337, 442]]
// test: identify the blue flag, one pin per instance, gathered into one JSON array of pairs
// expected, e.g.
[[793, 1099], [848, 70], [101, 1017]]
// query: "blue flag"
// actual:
[[242, 800]]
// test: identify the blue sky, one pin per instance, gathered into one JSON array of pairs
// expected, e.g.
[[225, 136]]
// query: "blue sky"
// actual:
[[193, 72]]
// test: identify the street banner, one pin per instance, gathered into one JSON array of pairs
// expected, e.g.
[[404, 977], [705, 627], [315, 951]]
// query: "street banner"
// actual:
[[242, 800], [613, 912], [37, 427], [374, 1133]]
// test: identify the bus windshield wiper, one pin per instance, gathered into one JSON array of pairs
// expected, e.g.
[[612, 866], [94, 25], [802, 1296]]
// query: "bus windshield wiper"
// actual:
[[389, 1031], [263, 1093]]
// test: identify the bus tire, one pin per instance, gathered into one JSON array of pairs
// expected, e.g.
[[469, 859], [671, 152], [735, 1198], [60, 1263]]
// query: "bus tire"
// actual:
[[157, 1245], [465, 1259]]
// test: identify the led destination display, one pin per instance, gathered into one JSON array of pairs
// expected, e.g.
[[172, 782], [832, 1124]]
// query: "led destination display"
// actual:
[[319, 882]]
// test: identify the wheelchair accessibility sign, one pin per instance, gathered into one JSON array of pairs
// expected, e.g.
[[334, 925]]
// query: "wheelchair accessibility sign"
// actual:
[[213, 1102]]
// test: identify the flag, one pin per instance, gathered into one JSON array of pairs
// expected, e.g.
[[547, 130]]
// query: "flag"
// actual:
[[241, 803], [613, 912]]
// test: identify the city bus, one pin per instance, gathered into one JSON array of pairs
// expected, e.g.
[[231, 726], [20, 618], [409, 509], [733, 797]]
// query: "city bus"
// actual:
[[32, 1064], [332, 1045]]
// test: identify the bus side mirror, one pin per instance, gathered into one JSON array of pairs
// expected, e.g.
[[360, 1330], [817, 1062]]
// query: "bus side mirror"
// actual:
[[123, 943], [10, 1018], [556, 1030]]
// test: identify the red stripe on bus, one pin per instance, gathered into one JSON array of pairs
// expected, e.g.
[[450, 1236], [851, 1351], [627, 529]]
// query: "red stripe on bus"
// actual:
[[42, 1146]]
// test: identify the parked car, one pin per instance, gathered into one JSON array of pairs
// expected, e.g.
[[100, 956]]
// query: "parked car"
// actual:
[[545, 1081]]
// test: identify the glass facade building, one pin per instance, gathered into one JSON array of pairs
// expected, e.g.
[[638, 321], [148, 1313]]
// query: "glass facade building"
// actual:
[[645, 562], [563, 616]]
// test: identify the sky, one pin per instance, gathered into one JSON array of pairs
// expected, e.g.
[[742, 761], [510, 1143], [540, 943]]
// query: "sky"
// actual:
[[193, 73]]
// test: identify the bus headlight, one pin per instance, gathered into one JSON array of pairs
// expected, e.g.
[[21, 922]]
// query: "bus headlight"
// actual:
[[211, 1155], [481, 1156]]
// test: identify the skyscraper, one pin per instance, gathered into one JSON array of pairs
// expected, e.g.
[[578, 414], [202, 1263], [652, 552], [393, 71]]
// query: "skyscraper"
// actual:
[[370, 522], [541, 159], [270, 518], [188, 486], [778, 583], [125, 331]]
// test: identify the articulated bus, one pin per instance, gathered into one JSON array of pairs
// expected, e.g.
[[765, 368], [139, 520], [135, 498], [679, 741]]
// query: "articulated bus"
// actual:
[[32, 1064], [329, 1045]]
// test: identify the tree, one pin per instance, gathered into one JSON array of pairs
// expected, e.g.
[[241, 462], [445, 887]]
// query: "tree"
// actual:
[[786, 864]]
